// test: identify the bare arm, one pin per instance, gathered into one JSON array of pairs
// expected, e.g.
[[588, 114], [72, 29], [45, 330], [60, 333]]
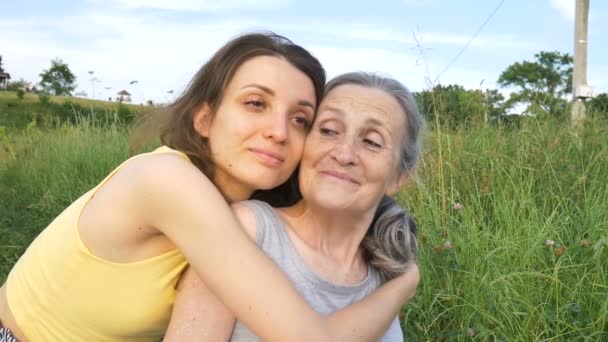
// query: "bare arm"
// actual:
[[200, 316], [173, 196], [197, 314]]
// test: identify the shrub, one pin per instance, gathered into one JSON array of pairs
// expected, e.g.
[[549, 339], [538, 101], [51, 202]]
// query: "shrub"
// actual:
[[44, 99]]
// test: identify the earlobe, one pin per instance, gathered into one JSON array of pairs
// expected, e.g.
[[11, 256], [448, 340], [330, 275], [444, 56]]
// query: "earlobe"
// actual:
[[202, 120], [396, 185]]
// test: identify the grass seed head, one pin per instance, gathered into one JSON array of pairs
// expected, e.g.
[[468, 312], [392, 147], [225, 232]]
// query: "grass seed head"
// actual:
[[437, 249]]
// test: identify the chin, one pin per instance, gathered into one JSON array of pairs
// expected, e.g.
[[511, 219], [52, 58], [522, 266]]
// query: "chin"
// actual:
[[332, 202], [265, 181]]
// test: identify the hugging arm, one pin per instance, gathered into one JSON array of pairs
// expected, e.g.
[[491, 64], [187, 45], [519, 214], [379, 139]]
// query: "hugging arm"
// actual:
[[198, 315], [191, 212]]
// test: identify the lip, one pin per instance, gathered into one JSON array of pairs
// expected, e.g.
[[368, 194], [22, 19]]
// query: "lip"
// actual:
[[340, 175], [268, 157]]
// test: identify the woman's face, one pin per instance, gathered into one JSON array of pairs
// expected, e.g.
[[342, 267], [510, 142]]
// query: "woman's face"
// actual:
[[351, 154], [257, 134]]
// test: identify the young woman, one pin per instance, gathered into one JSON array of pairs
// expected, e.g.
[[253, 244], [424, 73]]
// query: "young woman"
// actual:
[[106, 268], [345, 236]]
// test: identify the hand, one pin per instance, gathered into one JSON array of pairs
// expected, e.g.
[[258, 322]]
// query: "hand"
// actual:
[[409, 281]]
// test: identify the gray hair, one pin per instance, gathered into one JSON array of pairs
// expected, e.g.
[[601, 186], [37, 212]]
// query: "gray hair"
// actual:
[[390, 242]]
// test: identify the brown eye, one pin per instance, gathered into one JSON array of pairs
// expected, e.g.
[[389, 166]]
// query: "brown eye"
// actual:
[[302, 121], [373, 140], [331, 128], [327, 132], [255, 104], [372, 143]]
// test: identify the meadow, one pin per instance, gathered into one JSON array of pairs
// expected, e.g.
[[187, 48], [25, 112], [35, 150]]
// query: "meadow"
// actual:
[[513, 221]]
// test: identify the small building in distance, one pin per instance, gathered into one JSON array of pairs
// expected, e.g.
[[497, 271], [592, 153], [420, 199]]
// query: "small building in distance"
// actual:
[[124, 96], [4, 77], [82, 94]]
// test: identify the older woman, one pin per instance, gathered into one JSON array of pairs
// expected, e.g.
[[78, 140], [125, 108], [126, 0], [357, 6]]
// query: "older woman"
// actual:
[[345, 236]]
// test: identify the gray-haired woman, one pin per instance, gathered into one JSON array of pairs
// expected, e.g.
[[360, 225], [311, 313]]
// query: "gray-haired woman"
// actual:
[[345, 236]]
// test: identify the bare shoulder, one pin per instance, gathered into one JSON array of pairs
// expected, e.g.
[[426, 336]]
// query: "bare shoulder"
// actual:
[[161, 165], [246, 217], [163, 186], [164, 172]]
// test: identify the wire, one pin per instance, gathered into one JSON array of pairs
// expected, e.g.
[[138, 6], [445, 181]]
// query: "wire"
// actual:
[[470, 40]]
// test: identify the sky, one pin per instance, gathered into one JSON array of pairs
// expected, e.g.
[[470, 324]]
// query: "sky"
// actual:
[[162, 43]]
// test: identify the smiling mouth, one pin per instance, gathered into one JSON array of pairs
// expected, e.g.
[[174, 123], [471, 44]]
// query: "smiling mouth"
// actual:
[[341, 176], [267, 157]]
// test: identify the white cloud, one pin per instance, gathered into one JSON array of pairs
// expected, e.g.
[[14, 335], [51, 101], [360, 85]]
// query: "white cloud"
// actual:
[[164, 55], [161, 56], [402, 66], [483, 41], [565, 7], [202, 5], [411, 38]]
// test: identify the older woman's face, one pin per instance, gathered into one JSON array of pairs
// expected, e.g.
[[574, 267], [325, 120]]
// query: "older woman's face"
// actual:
[[351, 153]]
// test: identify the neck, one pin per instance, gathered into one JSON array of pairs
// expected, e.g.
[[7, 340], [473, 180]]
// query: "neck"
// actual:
[[231, 191], [331, 236]]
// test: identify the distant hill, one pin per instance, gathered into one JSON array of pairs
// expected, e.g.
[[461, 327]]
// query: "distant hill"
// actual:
[[16, 113]]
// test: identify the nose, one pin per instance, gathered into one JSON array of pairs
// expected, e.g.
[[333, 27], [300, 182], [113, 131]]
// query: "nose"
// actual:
[[276, 127], [345, 152]]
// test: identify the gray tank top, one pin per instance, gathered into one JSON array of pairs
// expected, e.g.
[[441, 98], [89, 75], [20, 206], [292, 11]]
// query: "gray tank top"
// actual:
[[325, 297]]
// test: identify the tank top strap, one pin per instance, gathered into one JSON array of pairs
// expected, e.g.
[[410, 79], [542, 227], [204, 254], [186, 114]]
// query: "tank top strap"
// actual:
[[268, 225], [84, 199]]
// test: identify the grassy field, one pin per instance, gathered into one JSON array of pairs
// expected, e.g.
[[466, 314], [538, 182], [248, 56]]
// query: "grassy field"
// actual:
[[486, 198], [30, 98], [16, 114]]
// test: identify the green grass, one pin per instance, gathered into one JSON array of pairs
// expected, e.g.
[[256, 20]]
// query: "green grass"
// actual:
[[518, 187], [33, 98], [16, 114]]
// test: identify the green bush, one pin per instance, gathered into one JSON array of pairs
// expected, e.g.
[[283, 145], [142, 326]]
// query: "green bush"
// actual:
[[44, 99], [598, 106], [125, 115]]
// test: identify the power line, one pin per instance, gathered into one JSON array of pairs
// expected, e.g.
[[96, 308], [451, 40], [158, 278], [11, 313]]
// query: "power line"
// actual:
[[470, 40]]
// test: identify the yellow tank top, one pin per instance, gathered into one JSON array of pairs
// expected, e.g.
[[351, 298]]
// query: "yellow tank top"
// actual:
[[60, 291]]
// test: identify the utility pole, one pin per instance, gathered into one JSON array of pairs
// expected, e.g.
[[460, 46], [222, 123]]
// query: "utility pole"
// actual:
[[580, 90]]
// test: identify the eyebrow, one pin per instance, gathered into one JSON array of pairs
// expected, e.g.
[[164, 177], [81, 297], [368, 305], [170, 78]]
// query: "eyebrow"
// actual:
[[334, 109], [271, 92], [372, 121], [259, 86]]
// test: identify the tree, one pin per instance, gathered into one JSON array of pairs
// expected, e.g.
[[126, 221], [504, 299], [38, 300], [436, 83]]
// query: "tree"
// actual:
[[58, 79], [15, 85], [454, 105], [1, 68], [599, 105], [542, 84]]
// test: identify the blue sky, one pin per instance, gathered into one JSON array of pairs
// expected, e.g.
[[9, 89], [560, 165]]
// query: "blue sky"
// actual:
[[162, 43]]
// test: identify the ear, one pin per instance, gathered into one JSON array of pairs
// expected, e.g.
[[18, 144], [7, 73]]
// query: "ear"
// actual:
[[397, 183], [202, 120]]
